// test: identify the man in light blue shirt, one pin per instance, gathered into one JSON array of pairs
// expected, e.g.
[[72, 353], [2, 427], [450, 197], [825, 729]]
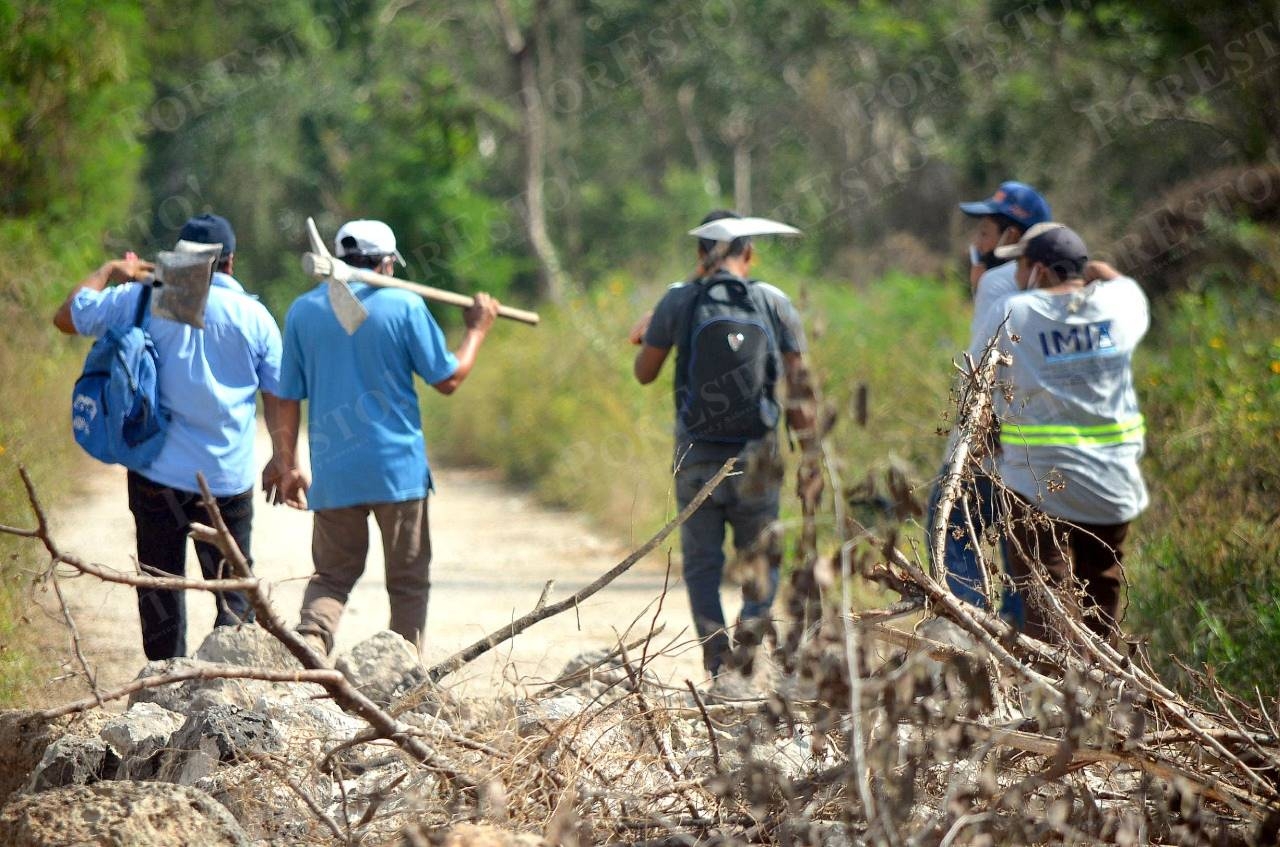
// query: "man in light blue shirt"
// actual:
[[368, 454], [209, 380]]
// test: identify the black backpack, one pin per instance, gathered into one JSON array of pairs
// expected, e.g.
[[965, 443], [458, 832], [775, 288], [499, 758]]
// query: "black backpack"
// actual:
[[730, 364]]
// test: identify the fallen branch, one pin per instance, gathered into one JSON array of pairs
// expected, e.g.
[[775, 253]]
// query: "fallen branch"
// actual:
[[347, 696], [541, 613], [971, 428], [1044, 745]]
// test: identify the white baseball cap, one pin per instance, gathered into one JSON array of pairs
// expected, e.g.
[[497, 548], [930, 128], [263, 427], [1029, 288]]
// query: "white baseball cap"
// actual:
[[366, 238]]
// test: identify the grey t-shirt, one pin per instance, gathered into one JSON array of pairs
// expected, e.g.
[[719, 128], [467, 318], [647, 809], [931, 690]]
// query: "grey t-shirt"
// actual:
[[669, 328], [1071, 430]]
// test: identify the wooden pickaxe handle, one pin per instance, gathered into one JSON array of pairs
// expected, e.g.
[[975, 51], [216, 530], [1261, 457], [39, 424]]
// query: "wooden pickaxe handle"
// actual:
[[321, 266]]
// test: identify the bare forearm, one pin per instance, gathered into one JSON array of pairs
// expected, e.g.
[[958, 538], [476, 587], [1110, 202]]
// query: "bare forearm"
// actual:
[[466, 355], [284, 419], [96, 281]]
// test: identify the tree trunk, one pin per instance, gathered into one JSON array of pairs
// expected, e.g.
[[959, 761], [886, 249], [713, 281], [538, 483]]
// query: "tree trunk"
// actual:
[[534, 122], [742, 178], [704, 161]]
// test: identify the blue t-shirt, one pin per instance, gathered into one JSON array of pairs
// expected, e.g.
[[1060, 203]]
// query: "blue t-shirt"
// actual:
[[209, 379], [363, 423]]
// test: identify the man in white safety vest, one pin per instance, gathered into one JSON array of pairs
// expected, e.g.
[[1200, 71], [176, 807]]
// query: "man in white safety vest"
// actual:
[[1071, 432]]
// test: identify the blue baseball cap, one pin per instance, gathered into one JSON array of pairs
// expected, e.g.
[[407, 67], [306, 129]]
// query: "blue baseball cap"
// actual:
[[1016, 201], [209, 229]]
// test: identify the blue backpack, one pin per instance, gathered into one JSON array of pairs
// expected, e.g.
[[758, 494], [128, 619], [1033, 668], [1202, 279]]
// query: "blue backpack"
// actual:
[[115, 406]]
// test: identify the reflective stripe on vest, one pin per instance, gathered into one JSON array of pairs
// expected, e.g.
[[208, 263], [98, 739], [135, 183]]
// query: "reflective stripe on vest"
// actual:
[[1062, 435]]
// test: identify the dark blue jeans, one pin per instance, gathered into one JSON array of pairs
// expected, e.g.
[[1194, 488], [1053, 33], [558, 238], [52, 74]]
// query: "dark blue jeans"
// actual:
[[748, 512], [162, 516], [960, 563]]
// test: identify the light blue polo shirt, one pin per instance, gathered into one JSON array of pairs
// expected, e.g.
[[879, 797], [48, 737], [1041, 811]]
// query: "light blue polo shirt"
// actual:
[[363, 423], [209, 379]]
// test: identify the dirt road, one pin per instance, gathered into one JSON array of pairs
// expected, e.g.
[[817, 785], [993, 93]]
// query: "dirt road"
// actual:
[[494, 549]]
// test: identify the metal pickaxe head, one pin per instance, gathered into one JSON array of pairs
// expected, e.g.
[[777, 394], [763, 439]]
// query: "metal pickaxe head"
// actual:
[[182, 283], [347, 308]]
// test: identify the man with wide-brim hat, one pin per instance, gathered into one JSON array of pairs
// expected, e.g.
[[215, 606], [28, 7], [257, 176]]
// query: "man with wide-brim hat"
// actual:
[[735, 337]]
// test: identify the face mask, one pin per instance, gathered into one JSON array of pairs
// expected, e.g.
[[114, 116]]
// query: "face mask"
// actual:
[[991, 260]]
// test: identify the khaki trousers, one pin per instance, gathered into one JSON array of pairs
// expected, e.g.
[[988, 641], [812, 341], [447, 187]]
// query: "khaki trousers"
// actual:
[[339, 548]]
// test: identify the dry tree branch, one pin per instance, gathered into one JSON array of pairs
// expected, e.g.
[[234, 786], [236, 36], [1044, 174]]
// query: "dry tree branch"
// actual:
[[706, 721], [75, 635], [344, 694], [381, 796], [660, 744], [484, 645], [568, 679], [971, 426], [314, 807], [1172, 705], [1043, 745]]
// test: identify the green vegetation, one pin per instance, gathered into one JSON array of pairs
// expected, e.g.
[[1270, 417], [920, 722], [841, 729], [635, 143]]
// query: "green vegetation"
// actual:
[[558, 409], [37, 371], [1205, 586], [1151, 128]]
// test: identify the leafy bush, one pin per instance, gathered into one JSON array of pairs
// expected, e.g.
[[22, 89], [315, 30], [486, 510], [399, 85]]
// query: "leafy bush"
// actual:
[[34, 433], [557, 408], [1204, 582]]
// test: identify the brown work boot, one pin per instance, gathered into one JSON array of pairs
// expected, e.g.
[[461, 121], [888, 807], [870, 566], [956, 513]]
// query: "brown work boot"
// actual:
[[319, 641]]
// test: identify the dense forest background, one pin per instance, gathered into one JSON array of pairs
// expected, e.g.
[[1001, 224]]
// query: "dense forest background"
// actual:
[[555, 151], [863, 123]]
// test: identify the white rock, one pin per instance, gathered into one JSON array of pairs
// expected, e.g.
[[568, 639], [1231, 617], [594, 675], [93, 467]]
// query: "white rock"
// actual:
[[247, 645], [138, 735], [382, 666]]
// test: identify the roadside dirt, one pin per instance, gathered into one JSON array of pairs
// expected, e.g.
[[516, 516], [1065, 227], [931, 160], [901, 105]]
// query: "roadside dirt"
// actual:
[[494, 550]]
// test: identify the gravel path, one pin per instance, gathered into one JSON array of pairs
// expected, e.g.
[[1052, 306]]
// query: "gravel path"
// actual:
[[494, 549]]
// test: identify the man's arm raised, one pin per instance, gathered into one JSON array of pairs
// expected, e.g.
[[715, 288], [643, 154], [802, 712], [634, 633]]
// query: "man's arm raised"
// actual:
[[479, 318], [117, 270]]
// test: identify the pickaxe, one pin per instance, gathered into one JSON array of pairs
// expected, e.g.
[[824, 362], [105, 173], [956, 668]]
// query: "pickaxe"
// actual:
[[351, 313]]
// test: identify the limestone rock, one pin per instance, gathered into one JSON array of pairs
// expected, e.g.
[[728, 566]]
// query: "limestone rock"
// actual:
[[533, 716], [223, 734], [593, 666], [247, 645], [176, 696], [24, 736], [310, 726], [267, 808], [138, 735], [383, 667], [73, 760], [119, 814]]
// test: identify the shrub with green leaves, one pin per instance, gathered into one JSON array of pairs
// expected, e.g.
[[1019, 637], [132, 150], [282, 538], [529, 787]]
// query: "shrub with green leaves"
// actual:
[[1204, 581]]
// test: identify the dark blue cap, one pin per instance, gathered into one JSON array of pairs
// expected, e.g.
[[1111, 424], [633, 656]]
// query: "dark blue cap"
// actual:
[[1053, 245], [210, 229], [1015, 200]]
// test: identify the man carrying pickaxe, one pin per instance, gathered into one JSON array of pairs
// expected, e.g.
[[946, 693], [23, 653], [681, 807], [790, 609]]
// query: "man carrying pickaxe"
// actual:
[[368, 454]]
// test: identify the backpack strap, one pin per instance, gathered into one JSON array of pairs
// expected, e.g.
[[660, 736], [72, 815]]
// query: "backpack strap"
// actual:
[[142, 316]]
